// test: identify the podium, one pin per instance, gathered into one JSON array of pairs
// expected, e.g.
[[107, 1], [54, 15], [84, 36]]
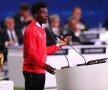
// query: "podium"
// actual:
[[90, 77]]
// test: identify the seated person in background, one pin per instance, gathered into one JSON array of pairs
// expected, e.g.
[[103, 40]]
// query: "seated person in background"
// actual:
[[77, 14], [55, 26], [23, 17], [9, 37], [72, 30]]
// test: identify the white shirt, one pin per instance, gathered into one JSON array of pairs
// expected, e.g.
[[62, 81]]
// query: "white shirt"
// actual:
[[14, 35], [81, 26], [58, 44], [10, 37]]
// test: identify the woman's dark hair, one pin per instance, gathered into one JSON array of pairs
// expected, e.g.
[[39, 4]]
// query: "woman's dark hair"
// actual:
[[36, 6]]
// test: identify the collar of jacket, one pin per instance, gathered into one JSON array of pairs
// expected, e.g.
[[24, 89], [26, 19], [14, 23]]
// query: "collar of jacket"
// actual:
[[37, 24]]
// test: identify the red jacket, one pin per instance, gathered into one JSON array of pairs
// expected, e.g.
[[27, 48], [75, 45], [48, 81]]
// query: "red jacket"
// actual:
[[35, 50]]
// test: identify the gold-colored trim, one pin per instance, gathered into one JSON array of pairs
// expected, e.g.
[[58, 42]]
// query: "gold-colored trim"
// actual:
[[1, 63]]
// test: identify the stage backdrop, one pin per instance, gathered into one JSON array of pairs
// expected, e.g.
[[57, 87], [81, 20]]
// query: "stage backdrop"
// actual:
[[94, 11]]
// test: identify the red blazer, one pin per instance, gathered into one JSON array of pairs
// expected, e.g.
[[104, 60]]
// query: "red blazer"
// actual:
[[35, 50]]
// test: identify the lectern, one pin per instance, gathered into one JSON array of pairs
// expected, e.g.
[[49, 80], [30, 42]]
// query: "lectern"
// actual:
[[90, 77]]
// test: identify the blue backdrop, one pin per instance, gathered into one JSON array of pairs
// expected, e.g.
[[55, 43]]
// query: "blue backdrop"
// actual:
[[94, 11]]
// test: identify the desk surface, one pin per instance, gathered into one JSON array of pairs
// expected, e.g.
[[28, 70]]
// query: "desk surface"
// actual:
[[76, 46]]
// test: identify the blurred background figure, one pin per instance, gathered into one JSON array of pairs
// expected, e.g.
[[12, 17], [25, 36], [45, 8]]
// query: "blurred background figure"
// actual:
[[9, 37], [77, 14], [74, 26], [23, 17], [56, 28], [73, 30], [55, 24]]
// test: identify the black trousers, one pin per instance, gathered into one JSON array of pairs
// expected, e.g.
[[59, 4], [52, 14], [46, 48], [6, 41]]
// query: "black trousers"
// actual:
[[34, 81]]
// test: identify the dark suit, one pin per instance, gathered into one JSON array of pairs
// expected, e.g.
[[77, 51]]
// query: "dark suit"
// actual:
[[85, 24], [81, 21], [5, 37], [49, 38], [19, 24]]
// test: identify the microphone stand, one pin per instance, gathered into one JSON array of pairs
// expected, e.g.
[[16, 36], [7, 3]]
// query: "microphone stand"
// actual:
[[74, 50], [54, 37]]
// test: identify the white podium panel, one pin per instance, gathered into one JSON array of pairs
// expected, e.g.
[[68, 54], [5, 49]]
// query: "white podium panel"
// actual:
[[6, 85], [92, 77]]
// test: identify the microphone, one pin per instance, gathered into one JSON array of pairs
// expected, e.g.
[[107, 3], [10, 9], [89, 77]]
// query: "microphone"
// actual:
[[58, 37], [74, 49], [54, 37], [98, 61]]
